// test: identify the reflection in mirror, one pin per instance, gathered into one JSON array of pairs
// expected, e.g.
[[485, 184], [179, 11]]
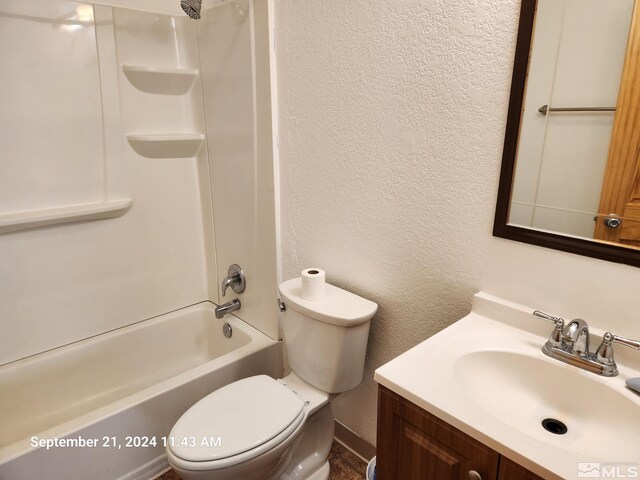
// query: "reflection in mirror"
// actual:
[[570, 173], [577, 53]]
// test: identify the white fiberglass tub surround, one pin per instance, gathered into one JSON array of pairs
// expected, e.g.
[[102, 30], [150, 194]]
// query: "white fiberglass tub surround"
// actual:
[[133, 382]]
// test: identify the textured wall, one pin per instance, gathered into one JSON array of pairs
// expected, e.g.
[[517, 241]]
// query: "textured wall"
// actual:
[[391, 126], [392, 119]]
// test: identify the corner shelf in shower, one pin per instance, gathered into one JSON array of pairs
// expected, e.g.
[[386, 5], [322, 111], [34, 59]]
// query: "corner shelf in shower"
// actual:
[[166, 145], [25, 220], [158, 80]]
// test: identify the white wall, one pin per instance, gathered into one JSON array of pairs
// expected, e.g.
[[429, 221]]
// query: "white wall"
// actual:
[[164, 7], [64, 143], [604, 294], [392, 118], [46, 163], [64, 283], [235, 74]]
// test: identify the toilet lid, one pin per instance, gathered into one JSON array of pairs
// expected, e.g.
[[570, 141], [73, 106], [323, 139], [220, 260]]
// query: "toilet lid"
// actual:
[[234, 419]]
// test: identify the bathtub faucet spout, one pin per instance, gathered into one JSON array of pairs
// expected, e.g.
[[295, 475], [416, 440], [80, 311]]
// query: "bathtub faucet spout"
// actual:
[[228, 307]]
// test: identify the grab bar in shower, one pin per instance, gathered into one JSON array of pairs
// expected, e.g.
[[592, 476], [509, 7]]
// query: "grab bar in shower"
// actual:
[[547, 109]]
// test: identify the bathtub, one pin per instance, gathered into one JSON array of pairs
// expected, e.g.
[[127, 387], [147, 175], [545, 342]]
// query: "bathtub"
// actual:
[[113, 398]]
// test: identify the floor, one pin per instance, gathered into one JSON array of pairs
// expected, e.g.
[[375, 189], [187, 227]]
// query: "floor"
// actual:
[[344, 465]]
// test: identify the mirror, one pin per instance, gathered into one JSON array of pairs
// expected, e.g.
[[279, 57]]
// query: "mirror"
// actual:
[[570, 175]]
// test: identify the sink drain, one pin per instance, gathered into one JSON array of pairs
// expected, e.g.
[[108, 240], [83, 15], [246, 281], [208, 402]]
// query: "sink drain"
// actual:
[[554, 426]]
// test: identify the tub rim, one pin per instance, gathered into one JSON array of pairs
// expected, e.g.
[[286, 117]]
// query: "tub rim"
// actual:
[[257, 342]]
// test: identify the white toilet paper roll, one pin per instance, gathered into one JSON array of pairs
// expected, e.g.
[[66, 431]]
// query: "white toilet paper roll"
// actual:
[[313, 284]]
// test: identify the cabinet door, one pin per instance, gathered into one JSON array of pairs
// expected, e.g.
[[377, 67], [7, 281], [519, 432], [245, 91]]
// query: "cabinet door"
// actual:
[[414, 445], [512, 471]]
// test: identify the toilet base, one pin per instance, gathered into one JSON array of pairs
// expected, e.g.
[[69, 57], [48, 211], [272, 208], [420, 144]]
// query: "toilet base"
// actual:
[[311, 450], [322, 473]]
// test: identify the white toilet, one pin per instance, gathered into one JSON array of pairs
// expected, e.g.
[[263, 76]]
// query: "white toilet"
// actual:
[[259, 428]]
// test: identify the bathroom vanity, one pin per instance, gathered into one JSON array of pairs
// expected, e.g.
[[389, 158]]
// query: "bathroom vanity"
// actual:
[[414, 444], [481, 400]]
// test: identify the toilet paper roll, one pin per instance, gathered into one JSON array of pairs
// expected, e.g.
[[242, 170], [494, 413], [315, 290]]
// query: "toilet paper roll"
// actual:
[[313, 285]]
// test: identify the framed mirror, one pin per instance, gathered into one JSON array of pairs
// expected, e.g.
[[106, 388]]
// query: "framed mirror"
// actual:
[[570, 177]]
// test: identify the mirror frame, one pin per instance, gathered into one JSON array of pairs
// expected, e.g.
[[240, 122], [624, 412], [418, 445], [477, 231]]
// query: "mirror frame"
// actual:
[[501, 227]]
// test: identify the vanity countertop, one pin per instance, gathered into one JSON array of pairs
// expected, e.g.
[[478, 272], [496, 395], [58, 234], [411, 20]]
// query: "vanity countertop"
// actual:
[[487, 376]]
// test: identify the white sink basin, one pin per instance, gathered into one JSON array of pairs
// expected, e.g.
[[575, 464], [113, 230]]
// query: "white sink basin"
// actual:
[[486, 375], [534, 389]]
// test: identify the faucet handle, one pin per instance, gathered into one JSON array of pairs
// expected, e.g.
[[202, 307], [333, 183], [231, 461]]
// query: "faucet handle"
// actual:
[[235, 279], [550, 318], [604, 353], [555, 339], [624, 341]]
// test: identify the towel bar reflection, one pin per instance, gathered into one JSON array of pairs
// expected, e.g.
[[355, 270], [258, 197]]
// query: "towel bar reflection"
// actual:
[[547, 109]]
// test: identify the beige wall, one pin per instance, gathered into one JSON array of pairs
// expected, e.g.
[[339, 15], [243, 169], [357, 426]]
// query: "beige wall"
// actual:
[[392, 118]]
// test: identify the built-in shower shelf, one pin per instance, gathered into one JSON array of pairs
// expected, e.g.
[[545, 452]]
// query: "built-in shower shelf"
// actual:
[[166, 145], [162, 81], [13, 222]]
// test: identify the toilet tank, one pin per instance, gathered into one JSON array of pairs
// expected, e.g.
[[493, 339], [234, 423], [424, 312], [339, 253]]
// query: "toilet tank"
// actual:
[[326, 340]]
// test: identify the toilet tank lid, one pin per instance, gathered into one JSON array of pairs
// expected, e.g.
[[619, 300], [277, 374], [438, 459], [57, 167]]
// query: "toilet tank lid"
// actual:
[[338, 307]]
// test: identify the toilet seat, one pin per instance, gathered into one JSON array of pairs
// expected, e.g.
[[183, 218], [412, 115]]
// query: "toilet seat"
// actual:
[[250, 417]]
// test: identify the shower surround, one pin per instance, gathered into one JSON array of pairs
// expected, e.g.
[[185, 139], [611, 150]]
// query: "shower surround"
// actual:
[[110, 262]]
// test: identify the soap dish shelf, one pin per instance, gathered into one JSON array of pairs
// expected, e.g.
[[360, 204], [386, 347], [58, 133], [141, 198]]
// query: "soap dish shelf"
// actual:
[[160, 80], [166, 145], [28, 219]]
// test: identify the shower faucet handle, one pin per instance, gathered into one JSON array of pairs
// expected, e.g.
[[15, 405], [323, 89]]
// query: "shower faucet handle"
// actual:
[[235, 279]]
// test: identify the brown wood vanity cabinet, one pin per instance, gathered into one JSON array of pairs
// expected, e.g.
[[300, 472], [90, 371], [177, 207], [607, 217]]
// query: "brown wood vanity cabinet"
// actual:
[[412, 444]]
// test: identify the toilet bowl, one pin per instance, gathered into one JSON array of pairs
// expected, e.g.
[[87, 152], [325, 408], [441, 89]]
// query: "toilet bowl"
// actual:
[[259, 428]]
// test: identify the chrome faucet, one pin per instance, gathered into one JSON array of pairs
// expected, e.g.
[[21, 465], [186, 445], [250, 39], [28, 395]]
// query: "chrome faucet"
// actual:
[[228, 307], [235, 279], [576, 336], [570, 344]]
